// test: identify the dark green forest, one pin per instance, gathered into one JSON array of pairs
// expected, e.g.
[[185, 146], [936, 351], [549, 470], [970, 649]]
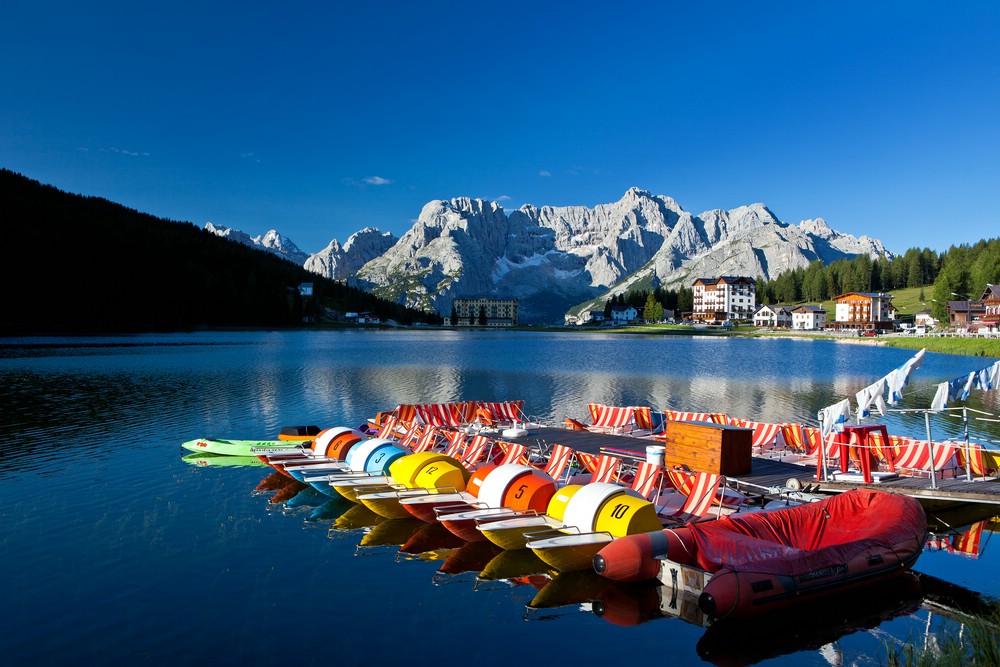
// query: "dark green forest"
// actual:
[[650, 304], [76, 264]]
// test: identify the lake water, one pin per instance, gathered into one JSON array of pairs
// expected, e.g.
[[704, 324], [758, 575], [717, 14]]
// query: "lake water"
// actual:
[[116, 550]]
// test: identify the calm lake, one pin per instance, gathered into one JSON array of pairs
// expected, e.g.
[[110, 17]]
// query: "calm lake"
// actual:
[[117, 550]]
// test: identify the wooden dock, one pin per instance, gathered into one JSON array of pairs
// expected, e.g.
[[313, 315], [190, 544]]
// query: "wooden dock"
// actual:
[[767, 472]]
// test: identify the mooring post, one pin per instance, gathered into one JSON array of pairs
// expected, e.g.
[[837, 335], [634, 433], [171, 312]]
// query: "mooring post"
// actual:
[[968, 447], [930, 448], [822, 451]]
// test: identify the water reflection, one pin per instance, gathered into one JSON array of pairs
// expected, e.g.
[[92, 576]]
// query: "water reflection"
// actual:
[[91, 394], [726, 643], [101, 513], [735, 644]]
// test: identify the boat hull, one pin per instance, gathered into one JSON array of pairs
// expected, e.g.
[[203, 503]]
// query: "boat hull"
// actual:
[[739, 594], [424, 507], [387, 504], [570, 553], [465, 524], [510, 533]]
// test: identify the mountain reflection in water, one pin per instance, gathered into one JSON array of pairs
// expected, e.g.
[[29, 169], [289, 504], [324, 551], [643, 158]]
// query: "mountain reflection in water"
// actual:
[[121, 549]]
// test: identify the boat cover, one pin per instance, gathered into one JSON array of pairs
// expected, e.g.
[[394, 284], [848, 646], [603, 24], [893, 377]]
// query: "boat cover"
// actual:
[[809, 537]]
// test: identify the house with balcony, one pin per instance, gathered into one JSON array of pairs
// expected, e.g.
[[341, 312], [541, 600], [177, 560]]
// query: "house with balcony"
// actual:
[[725, 298], [991, 308], [982, 315], [863, 311]]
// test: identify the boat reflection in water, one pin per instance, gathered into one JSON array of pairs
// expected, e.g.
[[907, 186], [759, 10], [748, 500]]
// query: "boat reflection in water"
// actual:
[[330, 510], [206, 460], [432, 538], [741, 642], [747, 641], [726, 642], [577, 589], [511, 565], [640, 602], [471, 557], [388, 534]]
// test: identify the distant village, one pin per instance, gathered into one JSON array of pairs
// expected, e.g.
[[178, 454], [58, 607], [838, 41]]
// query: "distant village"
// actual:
[[727, 301]]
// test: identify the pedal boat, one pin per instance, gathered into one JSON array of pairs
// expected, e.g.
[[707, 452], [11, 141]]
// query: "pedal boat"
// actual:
[[595, 515]]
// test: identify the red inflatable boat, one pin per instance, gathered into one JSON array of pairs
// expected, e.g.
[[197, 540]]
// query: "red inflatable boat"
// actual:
[[750, 563]]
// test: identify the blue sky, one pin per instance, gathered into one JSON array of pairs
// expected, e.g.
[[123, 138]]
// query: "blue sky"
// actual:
[[318, 119]]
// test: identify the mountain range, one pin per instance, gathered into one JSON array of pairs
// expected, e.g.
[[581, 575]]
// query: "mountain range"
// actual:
[[564, 259]]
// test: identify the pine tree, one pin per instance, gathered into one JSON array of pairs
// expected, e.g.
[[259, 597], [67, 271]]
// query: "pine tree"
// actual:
[[649, 309]]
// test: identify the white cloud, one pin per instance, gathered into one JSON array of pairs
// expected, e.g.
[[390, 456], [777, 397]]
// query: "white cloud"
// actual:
[[121, 151], [544, 173], [377, 180], [503, 198]]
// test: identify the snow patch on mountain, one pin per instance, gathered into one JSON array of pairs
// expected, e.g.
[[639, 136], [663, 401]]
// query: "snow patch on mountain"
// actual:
[[566, 258]]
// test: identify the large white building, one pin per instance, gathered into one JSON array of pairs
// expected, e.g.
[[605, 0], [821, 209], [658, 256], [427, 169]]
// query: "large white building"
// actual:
[[724, 298], [498, 312]]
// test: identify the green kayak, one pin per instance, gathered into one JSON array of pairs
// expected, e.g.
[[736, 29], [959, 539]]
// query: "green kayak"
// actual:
[[237, 447]]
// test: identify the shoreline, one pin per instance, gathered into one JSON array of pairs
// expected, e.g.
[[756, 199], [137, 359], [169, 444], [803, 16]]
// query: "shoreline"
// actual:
[[956, 345]]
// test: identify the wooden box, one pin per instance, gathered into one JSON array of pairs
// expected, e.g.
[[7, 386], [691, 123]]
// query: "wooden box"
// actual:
[[706, 447]]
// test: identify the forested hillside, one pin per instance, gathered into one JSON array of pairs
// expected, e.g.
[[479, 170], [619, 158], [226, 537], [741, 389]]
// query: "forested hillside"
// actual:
[[961, 272], [75, 264]]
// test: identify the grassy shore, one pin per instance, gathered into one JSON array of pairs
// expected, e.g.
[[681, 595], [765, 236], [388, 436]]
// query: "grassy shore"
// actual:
[[972, 347]]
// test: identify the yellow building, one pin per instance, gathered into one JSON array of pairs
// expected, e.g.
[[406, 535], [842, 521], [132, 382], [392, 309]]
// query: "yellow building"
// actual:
[[498, 312]]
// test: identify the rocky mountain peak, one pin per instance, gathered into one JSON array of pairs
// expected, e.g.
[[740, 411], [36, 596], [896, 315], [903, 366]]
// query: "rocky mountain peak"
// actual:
[[272, 242], [338, 261], [559, 258], [816, 227], [281, 246], [634, 193]]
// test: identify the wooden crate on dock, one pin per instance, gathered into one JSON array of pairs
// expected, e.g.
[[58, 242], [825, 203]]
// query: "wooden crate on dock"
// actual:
[[707, 447]]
